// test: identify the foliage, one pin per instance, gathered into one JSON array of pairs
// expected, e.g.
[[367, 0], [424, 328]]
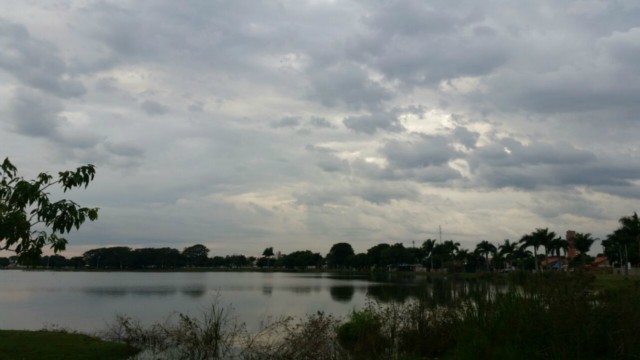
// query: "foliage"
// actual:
[[30, 219], [196, 255], [268, 252], [540, 237], [302, 260], [339, 255], [210, 337], [312, 338], [363, 334], [623, 245], [485, 249]]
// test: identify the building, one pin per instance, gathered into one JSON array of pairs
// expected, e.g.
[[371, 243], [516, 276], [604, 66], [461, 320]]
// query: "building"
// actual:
[[571, 239]]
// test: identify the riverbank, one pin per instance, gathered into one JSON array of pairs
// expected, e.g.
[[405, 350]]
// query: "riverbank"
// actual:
[[55, 345]]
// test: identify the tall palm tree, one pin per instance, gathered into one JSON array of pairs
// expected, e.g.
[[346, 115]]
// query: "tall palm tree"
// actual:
[[486, 248], [540, 237], [584, 242], [558, 244], [521, 254], [530, 241], [446, 250], [507, 251]]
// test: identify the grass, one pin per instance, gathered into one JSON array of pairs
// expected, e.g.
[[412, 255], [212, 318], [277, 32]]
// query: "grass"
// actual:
[[614, 281], [54, 345]]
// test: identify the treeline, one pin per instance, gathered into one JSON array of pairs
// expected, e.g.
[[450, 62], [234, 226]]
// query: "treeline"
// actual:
[[537, 250]]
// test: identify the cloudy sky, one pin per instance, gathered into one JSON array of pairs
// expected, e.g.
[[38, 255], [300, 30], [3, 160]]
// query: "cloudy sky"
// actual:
[[299, 124]]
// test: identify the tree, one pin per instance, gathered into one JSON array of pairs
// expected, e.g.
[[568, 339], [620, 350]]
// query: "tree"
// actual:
[[446, 252], [397, 254], [540, 237], [559, 244], [485, 249], [507, 252], [630, 231], [583, 242], [339, 255], [196, 255], [374, 254], [268, 252], [30, 219], [621, 243]]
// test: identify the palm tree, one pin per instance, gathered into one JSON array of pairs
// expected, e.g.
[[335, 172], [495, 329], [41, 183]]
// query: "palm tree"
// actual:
[[583, 244], [530, 241], [558, 244], [446, 250], [507, 251], [540, 237], [485, 248], [521, 254]]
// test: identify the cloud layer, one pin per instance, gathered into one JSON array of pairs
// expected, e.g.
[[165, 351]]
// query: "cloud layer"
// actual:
[[299, 124]]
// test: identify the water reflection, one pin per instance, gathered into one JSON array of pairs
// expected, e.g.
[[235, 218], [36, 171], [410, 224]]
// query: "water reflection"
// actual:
[[441, 291], [194, 291], [114, 291], [343, 293], [106, 291], [26, 296]]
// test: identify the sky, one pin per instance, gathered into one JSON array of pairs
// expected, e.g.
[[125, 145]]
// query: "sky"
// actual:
[[299, 124]]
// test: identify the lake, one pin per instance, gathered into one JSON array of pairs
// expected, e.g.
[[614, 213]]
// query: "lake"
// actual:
[[87, 301]]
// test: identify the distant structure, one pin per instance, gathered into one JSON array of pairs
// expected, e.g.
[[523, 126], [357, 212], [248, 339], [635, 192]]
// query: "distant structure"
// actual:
[[571, 239]]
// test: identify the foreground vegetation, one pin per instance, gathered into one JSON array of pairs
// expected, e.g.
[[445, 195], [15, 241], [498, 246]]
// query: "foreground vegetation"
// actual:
[[551, 315], [55, 345]]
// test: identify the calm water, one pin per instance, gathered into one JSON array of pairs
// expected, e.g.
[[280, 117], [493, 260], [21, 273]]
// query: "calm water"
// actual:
[[87, 301]]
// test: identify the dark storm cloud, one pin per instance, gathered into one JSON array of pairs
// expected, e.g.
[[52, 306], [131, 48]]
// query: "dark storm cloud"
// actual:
[[417, 43], [465, 137], [372, 123], [557, 204], [320, 123], [35, 63], [426, 151], [123, 149], [286, 122], [509, 163], [509, 152], [434, 175], [35, 114], [381, 193], [347, 85], [153, 108]]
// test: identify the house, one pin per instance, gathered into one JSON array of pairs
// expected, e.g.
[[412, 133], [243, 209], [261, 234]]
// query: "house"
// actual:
[[601, 262], [555, 263]]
